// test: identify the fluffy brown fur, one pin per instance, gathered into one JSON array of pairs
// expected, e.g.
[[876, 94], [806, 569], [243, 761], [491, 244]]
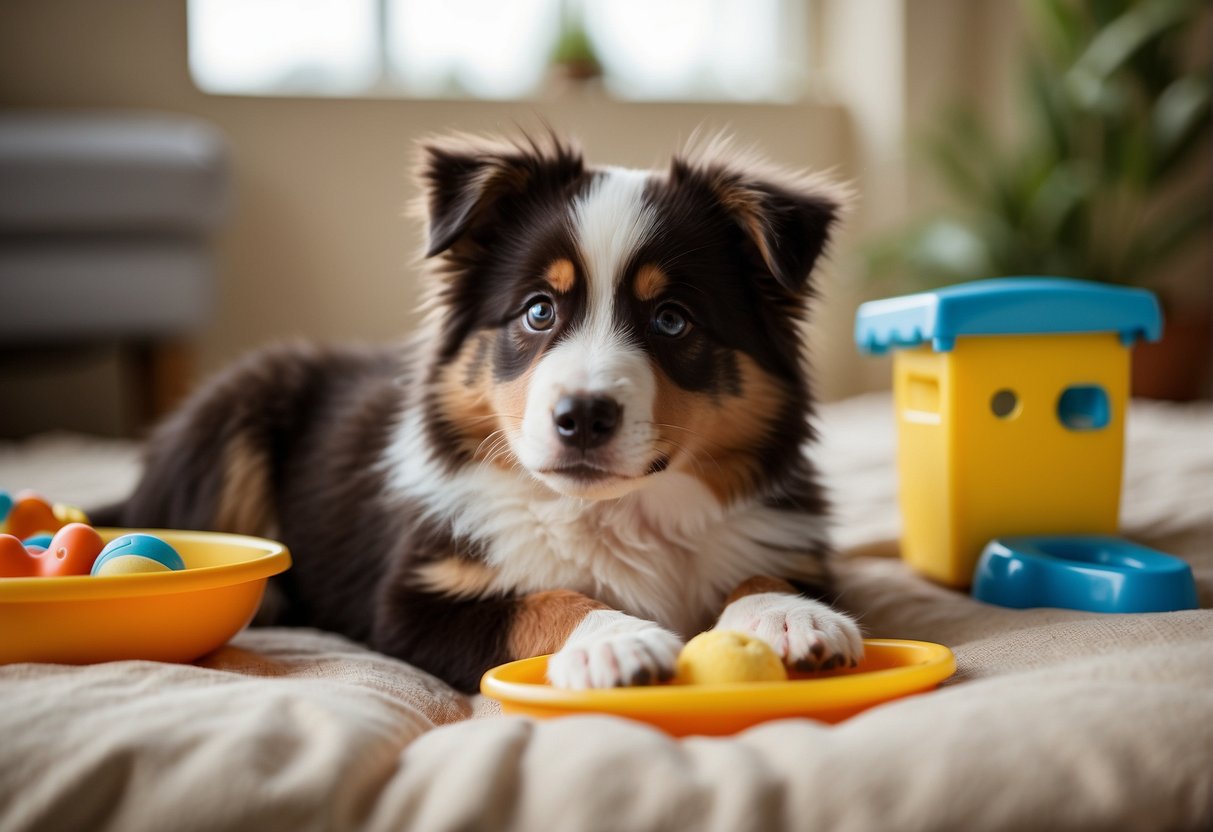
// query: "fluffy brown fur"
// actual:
[[479, 493]]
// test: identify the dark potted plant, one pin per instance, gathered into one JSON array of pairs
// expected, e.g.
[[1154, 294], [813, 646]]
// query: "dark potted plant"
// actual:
[[1109, 178]]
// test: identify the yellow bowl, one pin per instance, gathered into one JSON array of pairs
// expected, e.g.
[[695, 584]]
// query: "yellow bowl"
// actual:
[[163, 616], [891, 668]]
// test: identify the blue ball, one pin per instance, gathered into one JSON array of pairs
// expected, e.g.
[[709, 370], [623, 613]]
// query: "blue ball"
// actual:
[[6, 505], [142, 545], [43, 540]]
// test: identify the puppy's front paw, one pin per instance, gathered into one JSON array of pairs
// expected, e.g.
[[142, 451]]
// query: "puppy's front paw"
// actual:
[[610, 649], [807, 634]]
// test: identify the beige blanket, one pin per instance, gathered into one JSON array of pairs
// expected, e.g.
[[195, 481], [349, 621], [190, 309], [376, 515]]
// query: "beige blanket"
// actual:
[[1055, 720]]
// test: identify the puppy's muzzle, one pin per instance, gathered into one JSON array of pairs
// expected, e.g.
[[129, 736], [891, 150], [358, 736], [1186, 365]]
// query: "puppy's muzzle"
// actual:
[[586, 421]]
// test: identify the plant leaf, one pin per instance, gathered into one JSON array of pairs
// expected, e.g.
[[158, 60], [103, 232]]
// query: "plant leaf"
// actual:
[[1116, 44], [1064, 28], [1049, 105], [961, 153], [950, 248], [1180, 119], [1063, 192]]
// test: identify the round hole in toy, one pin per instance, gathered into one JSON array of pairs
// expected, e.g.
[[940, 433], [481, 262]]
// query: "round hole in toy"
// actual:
[[1004, 404]]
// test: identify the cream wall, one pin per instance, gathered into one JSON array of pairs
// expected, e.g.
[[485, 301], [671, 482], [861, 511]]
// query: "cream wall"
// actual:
[[316, 244]]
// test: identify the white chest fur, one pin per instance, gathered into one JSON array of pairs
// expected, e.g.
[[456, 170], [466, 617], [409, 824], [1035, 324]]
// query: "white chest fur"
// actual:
[[667, 552]]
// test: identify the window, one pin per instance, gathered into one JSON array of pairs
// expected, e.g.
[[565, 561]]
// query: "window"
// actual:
[[290, 47], [725, 50]]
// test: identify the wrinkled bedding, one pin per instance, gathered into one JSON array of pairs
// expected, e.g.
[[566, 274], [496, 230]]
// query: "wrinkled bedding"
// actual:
[[1054, 720]]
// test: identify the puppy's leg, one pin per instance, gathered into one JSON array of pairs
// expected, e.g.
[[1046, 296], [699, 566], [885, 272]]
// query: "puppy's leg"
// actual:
[[807, 634], [608, 649], [458, 639]]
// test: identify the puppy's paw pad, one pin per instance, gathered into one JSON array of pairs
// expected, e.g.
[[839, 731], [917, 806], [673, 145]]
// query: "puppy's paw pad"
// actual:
[[607, 661], [822, 640], [806, 634]]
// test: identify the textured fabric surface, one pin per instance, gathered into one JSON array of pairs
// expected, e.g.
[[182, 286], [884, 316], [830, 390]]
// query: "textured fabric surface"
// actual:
[[1055, 719]]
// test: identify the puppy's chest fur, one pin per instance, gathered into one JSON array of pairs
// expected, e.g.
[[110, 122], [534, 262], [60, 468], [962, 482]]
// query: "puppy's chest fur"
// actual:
[[669, 552]]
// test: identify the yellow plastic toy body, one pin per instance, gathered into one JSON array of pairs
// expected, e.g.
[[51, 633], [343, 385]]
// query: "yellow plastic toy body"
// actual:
[[987, 449], [162, 616], [1011, 396]]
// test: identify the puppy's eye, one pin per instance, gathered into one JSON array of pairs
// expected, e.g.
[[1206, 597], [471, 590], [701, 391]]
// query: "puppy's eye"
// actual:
[[541, 314], [670, 321]]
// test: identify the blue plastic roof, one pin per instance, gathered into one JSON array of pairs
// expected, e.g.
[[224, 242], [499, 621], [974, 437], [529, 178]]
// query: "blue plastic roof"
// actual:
[[1007, 306]]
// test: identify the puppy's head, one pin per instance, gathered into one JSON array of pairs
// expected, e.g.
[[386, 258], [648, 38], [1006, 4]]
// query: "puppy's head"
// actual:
[[598, 327]]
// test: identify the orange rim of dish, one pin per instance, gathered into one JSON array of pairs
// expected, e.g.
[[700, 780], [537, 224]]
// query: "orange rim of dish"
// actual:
[[929, 665]]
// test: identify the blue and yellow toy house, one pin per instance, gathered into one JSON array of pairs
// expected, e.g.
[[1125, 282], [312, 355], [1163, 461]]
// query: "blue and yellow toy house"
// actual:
[[1011, 397]]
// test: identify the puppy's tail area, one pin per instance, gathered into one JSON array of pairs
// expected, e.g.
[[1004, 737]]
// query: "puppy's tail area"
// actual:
[[211, 465]]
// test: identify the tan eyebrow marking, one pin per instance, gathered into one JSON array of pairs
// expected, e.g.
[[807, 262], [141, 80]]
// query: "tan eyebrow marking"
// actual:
[[650, 280], [561, 274]]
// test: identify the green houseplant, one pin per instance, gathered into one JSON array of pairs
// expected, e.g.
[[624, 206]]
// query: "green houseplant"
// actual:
[[1108, 178], [574, 53]]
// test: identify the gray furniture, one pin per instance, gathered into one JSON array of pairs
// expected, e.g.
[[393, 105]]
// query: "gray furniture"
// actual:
[[105, 232]]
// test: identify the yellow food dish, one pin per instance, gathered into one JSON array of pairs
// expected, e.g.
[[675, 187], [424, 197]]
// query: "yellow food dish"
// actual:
[[891, 668], [173, 616]]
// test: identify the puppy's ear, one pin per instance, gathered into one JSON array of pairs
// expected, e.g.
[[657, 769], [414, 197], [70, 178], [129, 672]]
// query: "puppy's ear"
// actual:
[[789, 224], [466, 179]]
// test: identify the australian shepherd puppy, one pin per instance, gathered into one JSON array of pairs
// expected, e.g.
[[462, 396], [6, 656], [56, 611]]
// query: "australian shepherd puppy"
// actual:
[[594, 448]]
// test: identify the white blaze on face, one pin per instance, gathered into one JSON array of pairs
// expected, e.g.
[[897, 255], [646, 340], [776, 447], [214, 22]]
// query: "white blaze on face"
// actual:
[[610, 222]]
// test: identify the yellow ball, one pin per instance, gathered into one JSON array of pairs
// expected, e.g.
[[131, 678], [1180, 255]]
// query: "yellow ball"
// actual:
[[724, 656], [129, 565]]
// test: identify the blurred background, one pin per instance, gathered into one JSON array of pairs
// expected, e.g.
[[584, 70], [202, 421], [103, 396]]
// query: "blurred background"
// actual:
[[183, 181]]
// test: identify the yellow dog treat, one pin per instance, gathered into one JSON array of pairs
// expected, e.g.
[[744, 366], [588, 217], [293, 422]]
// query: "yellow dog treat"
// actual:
[[724, 656]]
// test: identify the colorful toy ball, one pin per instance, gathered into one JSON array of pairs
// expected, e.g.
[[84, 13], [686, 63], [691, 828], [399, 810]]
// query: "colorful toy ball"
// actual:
[[134, 553], [31, 514], [42, 541]]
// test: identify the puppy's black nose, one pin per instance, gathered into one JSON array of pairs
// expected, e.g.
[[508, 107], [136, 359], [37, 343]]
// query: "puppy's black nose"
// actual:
[[585, 421]]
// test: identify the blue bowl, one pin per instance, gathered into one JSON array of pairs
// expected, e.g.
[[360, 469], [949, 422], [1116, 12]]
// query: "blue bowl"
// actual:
[[1094, 573]]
